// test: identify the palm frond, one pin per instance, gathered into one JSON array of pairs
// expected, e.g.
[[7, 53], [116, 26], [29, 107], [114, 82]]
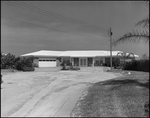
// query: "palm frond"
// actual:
[[146, 1], [134, 36], [144, 23]]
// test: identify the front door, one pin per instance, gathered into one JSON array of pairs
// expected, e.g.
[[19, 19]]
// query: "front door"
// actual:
[[83, 62]]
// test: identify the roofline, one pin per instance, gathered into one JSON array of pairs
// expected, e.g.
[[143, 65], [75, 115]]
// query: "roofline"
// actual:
[[61, 55]]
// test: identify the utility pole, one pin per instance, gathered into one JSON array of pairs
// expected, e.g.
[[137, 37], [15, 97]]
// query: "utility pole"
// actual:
[[110, 34]]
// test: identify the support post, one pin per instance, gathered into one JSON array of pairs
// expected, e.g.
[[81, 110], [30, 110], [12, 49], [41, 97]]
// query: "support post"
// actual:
[[93, 61], [72, 61], [110, 33]]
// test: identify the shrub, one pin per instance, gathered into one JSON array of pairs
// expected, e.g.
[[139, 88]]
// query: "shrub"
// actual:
[[22, 63], [137, 65], [35, 65], [75, 68], [28, 68], [66, 68], [7, 61], [69, 67], [10, 61]]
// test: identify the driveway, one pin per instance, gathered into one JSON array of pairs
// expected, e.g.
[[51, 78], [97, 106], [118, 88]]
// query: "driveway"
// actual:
[[47, 92]]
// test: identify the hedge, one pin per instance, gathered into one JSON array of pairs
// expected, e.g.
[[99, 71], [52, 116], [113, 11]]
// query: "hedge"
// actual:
[[137, 65], [19, 63]]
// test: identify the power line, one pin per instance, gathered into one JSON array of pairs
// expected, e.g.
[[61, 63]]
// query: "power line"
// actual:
[[45, 27], [52, 14], [67, 18]]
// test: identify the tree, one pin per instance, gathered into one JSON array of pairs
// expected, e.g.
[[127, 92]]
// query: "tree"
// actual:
[[7, 61], [137, 34], [144, 56], [123, 56]]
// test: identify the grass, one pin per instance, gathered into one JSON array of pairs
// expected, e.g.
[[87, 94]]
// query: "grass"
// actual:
[[122, 96]]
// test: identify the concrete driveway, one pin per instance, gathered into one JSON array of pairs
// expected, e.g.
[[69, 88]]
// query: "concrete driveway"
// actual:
[[47, 92]]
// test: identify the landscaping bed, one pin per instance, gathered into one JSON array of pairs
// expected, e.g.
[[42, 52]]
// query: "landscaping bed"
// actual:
[[123, 96]]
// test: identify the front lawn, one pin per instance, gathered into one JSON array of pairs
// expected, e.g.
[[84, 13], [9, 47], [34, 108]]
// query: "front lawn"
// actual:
[[122, 96]]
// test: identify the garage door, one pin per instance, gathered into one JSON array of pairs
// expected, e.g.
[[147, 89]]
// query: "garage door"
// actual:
[[47, 63]]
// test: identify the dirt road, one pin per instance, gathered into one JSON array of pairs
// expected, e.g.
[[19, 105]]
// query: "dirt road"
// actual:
[[46, 92]]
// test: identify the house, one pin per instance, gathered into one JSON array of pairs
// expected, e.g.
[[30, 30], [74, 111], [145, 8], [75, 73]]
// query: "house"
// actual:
[[46, 58]]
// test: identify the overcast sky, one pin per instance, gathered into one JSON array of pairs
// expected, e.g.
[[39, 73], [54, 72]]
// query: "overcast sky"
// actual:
[[56, 25]]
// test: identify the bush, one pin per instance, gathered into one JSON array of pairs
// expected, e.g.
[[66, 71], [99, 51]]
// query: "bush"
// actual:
[[69, 67], [65, 67], [22, 63], [75, 68], [35, 65], [137, 65], [7, 61], [28, 69]]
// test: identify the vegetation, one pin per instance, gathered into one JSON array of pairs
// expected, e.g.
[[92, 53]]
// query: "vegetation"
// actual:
[[144, 56], [28, 68], [137, 65], [24, 62], [140, 32], [123, 57], [9, 61], [126, 96], [69, 67]]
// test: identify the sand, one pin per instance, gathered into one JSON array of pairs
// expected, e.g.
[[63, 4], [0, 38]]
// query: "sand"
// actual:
[[46, 92]]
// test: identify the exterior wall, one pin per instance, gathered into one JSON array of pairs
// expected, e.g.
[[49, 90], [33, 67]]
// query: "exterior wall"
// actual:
[[96, 61], [99, 61], [83, 61], [75, 61], [66, 60], [89, 61], [103, 60], [36, 62], [107, 60], [59, 61]]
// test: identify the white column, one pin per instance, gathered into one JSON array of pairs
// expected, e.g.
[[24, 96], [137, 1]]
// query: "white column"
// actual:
[[103, 59], [70, 59], [93, 61], [72, 62], [86, 62], [79, 61]]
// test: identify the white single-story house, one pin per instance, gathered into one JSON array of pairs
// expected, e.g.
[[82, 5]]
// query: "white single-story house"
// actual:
[[46, 58]]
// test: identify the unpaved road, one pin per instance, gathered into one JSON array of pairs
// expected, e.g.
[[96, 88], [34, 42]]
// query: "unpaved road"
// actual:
[[46, 92]]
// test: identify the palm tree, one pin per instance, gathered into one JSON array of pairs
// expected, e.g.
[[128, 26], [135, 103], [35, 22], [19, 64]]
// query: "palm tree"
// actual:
[[123, 56], [137, 35]]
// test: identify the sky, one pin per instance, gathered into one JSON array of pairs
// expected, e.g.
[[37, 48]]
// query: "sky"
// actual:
[[29, 26]]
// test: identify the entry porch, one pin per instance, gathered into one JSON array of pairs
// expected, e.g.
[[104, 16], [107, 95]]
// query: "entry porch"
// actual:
[[84, 61]]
